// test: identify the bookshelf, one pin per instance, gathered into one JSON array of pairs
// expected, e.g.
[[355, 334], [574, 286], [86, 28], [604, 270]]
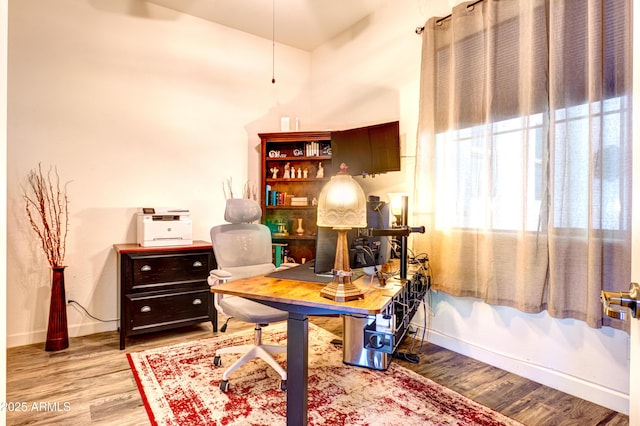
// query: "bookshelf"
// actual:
[[295, 166]]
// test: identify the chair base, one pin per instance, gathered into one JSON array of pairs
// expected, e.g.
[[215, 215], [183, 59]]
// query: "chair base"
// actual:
[[251, 352], [256, 350]]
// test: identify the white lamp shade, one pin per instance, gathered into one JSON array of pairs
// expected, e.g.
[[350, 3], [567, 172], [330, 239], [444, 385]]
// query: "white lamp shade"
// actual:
[[342, 203]]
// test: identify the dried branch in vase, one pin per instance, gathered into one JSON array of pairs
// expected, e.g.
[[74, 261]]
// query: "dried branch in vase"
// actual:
[[46, 204], [228, 186], [250, 191]]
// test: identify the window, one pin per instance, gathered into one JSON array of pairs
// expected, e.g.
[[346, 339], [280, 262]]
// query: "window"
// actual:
[[501, 166]]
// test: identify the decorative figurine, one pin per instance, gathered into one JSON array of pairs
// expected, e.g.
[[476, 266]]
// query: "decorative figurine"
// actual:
[[286, 171], [320, 173], [293, 172], [274, 171], [300, 173], [305, 173], [314, 201]]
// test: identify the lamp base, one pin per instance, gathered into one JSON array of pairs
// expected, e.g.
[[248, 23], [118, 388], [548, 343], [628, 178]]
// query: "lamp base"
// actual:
[[341, 289]]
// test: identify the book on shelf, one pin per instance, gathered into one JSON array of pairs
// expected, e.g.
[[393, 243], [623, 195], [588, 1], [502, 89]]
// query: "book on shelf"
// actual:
[[311, 148], [276, 198], [316, 149], [299, 201], [281, 198]]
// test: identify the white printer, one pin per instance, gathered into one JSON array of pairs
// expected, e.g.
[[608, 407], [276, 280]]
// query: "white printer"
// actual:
[[160, 226]]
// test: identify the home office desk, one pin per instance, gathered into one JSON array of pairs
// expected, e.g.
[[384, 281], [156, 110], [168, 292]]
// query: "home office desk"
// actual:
[[300, 299]]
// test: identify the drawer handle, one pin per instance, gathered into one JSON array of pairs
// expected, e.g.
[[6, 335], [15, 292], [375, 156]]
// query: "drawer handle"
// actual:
[[197, 302], [145, 268], [145, 308], [197, 264]]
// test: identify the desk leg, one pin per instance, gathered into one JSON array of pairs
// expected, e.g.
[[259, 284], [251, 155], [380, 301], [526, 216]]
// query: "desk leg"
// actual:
[[297, 368]]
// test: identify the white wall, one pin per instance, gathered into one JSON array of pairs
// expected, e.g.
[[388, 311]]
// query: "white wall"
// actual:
[[143, 107], [371, 74]]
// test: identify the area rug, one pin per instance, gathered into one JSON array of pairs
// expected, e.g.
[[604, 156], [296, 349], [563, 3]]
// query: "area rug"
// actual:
[[180, 386]]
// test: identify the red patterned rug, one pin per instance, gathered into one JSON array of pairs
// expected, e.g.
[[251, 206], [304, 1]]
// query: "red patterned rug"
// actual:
[[180, 386]]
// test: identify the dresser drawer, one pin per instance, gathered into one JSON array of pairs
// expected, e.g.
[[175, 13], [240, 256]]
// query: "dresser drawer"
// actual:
[[167, 310], [161, 270]]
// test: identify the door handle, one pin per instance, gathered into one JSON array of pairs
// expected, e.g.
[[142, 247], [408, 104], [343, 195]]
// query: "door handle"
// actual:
[[624, 299]]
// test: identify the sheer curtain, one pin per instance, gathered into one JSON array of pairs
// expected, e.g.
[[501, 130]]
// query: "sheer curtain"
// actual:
[[524, 153]]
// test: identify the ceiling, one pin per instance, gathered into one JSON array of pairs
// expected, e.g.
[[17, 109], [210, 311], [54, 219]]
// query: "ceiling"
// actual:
[[304, 24]]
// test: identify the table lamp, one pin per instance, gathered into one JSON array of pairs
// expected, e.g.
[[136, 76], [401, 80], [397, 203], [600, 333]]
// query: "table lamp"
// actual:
[[342, 205]]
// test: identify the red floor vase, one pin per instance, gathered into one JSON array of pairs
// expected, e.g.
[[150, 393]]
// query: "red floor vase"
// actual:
[[57, 333]]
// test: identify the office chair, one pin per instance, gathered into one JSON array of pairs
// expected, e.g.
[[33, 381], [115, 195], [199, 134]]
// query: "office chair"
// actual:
[[243, 249]]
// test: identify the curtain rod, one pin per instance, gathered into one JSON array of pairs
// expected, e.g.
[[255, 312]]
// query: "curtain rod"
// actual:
[[470, 6]]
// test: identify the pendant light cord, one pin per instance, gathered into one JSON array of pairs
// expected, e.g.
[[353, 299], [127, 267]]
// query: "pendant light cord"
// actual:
[[273, 46]]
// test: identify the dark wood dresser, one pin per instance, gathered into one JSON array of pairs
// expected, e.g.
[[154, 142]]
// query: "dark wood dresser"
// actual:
[[161, 288]]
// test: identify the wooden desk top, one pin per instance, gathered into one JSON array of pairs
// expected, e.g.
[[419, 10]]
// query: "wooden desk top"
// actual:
[[307, 294]]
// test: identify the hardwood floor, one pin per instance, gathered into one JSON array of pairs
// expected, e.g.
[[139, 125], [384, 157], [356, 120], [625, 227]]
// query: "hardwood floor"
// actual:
[[91, 382]]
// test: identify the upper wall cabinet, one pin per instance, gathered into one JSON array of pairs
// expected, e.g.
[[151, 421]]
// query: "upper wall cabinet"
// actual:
[[368, 150]]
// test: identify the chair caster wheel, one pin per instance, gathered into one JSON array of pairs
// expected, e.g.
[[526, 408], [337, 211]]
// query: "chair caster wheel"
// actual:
[[224, 386], [283, 385], [217, 361]]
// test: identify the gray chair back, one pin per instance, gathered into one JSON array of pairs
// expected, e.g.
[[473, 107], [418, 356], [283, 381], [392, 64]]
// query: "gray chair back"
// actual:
[[242, 247]]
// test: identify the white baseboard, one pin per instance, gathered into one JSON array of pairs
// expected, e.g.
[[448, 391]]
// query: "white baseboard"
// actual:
[[575, 386], [40, 336]]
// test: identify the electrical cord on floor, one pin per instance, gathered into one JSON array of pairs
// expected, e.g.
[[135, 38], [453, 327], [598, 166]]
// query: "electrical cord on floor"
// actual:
[[412, 358], [224, 326], [73, 302]]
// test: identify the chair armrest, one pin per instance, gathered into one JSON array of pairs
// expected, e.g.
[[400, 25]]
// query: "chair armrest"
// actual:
[[218, 276]]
